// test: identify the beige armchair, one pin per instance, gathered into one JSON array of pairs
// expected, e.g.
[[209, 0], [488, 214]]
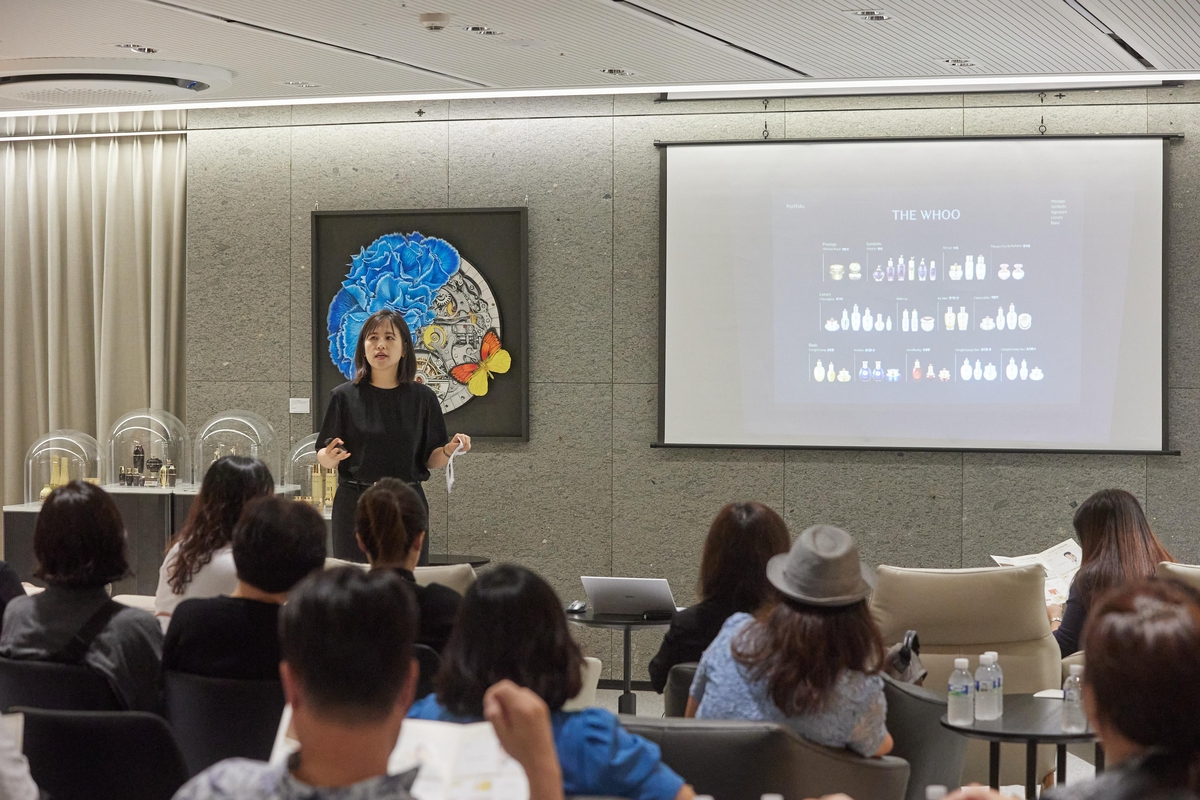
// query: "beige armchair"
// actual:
[[458, 577], [963, 613], [1184, 573]]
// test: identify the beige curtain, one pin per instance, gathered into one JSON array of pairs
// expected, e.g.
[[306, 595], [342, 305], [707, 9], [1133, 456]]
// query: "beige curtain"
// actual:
[[91, 283]]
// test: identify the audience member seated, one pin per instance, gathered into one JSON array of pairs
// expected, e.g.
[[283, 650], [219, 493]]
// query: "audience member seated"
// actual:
[[1118, 546], [276, 543], [349, 674], [199, 561], [733, 578], [10, 585], [512, 627], [812, 660], [79, 545], [390, 523]]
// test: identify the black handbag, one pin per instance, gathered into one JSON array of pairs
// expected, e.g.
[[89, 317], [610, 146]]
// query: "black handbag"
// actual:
[[903, 660]]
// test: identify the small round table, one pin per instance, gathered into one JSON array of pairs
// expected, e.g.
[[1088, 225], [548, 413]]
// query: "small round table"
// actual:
[[627, 702], [447, 559], [1033, 721]]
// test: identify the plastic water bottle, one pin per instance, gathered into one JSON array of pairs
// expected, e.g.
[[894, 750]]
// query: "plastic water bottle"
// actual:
[[985, 690], [1074, 720], [997, 680], [961, 700], [935, 791]]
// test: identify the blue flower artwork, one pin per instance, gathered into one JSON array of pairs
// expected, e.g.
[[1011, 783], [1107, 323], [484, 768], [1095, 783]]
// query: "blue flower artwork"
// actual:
[[396, 271]]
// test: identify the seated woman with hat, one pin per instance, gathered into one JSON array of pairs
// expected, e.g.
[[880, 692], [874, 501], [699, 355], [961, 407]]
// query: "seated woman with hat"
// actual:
[[811, 661]]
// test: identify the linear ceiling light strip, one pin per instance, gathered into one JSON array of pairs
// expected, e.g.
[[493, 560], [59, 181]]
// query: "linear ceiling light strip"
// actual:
[[330, 45], [661, 17]]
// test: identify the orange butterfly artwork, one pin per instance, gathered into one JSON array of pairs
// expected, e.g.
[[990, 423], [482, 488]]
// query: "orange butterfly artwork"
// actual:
[[493, 360]]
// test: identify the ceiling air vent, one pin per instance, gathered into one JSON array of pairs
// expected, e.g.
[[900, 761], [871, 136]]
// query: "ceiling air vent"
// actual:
[[869, 15], [77, 82]]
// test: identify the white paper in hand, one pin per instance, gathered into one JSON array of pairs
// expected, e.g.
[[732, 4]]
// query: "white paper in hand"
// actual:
[[450, 468], [457, 762]]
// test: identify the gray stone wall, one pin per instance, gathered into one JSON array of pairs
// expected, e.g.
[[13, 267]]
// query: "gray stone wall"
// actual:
[[587, 494]]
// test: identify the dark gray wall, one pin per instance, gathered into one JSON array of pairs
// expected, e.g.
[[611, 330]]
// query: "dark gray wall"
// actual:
[[587, 494]]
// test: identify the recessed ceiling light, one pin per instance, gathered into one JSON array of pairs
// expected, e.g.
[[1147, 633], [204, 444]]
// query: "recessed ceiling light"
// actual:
[[482, 30], [958, 62], [620, 73], [869, 14], [302, 84], [490, 32], [138, 48]]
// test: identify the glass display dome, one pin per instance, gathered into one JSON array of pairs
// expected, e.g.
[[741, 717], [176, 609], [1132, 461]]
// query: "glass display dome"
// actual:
[[317, 485], [147, 444], [236, 433], [60, 457]]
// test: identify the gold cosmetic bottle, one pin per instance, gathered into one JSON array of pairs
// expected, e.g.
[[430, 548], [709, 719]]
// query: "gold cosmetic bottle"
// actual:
[[317, 489], [331, 485], [172, 473]]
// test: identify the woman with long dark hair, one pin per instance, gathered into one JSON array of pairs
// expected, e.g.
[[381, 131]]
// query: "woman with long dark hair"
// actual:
[[1118, 546], [511, 626], [382, 424], [812, 660], [733, 577], [199, 560]]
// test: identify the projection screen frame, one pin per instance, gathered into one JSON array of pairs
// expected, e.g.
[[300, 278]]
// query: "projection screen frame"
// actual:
[[663, 147]]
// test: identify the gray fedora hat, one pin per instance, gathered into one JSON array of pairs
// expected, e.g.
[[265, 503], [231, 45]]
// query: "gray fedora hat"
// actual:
[[822, 569]]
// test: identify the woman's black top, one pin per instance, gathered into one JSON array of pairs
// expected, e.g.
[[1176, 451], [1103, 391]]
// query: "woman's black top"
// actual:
[[1070, 630], [692, 631], [224, 637], [390, 433], [438, 606]]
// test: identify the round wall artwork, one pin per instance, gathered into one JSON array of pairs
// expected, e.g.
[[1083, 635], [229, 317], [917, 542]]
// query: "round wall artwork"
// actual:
[[449, 307]]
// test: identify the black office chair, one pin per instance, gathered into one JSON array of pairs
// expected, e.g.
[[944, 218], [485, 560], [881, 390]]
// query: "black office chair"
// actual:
[[934, 753], [430, 662], [102, 755], [45, 684], [679, 685], [218, 718]]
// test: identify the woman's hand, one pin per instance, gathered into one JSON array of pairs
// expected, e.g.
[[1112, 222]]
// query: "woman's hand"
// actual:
[[455, 441], [1054, 613], [332, 454]]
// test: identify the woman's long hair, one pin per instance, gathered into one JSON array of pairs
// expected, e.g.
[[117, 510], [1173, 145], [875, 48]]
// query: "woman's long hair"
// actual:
[[801, 651], [388, 519], [1117, 543], [229, 484], [1143, 653], [511, 625], [733, 565]]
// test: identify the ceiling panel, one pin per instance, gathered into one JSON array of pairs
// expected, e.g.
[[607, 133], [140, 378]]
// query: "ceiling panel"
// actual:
[[1165, 32], [822, 39]]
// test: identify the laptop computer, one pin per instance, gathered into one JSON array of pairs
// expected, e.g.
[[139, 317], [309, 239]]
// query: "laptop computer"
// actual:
[[629, 596]]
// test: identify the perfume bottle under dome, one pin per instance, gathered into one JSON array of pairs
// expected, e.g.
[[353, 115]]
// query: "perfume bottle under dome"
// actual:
[[139, 456]]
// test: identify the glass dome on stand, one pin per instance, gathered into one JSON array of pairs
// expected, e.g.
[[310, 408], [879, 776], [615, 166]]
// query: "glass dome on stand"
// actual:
[[236, 433], [318, 486], [147, 445], [58, 458]]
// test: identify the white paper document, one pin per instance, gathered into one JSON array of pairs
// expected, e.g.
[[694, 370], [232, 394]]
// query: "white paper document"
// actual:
[[1060, 564], [458, 762]]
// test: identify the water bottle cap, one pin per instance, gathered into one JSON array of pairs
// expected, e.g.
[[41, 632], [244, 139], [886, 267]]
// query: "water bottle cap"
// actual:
[[986, 660], [1076, 669], [772, 797], [961, 663], [935, 792], [995, 656]]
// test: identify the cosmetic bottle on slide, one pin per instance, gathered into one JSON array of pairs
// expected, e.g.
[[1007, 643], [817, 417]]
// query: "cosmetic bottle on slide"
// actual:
[[970, 268], [1024, 370], [980, 268], [916, 373], [912, 321], [900, 270], [888, 325], [864, 374], [965, 372], [877, 373], [845, 320], [933, 270], [819, 371], [1000, 318], [978, 373], [1010, 371], [948, 320], [1012, 316], [891, 271], [868, 321], [930, 374], [903, 320], [855, 319], [922, 271], [989, 372], [963, 319], [831, 373], [878, 273], [912, 269]]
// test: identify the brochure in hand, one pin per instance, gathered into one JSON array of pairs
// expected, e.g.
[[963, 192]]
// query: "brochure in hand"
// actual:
[[1060, 563]]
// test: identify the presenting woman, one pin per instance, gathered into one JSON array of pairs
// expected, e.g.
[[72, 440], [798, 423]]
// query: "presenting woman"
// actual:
[[381, 424]]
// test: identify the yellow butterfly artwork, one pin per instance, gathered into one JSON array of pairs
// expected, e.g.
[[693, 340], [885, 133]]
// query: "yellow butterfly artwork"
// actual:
[[493, 360]]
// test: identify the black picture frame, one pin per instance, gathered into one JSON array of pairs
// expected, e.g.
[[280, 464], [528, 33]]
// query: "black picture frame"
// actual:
[[495, 241]]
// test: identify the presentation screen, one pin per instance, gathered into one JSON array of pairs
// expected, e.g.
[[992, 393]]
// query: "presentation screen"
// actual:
[[975, 294]]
